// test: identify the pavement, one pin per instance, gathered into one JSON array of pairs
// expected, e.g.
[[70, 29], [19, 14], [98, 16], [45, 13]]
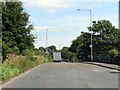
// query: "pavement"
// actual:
[[105, 65], [66, 75]]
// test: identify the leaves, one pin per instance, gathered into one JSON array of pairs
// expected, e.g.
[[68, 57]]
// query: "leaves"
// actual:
[[16, 28], [105, 38]]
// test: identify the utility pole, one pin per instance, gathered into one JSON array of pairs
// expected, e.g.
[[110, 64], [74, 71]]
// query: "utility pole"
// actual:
[[46, 37], [91, 35], [46, 41], [59, 46]]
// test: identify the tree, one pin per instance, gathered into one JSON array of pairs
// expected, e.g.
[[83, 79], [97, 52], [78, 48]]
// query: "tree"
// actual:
[[0, 30], [68, 55], [106, 36], [118, 42], [52, 48], [42, 49], [16, 27], [105, 39], [64, 52]]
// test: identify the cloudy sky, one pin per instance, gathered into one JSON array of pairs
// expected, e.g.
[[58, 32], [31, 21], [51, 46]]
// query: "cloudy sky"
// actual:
[[63, 21]]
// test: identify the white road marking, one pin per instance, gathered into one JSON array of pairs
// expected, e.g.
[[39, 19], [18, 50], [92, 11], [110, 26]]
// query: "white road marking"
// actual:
[[96, 70]]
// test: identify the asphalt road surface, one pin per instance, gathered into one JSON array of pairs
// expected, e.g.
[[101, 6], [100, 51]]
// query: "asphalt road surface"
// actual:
[[66, 75]]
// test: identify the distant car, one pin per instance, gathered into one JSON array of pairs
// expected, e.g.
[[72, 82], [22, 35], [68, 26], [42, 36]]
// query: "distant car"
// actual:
[[63, 59], [71, 60]]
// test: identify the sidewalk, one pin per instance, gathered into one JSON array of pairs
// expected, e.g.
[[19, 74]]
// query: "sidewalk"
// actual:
[[110, 66]]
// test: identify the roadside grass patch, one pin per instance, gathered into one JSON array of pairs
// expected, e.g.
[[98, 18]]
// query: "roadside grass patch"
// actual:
[[16, 65]]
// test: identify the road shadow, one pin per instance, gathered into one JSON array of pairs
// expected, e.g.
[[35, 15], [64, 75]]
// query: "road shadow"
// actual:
[[115, 72]]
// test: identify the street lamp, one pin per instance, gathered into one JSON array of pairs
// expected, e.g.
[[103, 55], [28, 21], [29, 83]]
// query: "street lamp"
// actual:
[[90, 30]]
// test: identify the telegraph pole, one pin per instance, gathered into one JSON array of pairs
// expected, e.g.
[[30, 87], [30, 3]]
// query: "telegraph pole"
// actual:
[[59, 46], [46, 37], [46, 41]]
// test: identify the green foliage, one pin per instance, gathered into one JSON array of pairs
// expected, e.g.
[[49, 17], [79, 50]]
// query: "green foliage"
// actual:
[[105, 37], [0, 72], [42, 49], [38, 52], [113, 52], [49, 58], [52, 48], [15, 50], [16, 29], [69, 56], [28, 52], [15, 65]]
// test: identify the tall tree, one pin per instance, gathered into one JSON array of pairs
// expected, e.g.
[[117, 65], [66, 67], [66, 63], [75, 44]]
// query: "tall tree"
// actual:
[[16, 27], [105, 40], [105, 36], [52, 48]]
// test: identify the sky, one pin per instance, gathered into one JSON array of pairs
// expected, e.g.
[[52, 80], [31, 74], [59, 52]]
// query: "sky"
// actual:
[[63, 22]]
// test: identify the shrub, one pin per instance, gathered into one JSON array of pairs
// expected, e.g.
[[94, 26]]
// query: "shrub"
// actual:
[[27, 53], [113, 52], [15, 50]]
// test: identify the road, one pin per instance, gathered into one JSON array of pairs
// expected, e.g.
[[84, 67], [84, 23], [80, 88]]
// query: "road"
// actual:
[[66, 75]]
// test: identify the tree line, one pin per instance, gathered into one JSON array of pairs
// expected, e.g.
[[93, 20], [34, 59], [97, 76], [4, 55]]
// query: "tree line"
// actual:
[[105, 39]]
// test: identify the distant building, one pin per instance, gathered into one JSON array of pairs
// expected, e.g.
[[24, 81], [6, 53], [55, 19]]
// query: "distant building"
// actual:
[[48, 51]]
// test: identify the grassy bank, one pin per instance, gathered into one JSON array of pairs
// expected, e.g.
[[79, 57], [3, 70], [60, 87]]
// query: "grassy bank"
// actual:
[[16, 65]]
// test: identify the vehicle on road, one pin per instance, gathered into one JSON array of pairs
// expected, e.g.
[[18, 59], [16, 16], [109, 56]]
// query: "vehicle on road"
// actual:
[[57, 57]]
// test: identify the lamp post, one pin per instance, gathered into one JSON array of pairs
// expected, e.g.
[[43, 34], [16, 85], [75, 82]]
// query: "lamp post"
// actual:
[[90, 11]]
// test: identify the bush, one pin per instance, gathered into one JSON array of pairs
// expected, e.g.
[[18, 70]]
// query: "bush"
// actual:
[[27, 53], [38, 52], [15, 50], [113, 52]]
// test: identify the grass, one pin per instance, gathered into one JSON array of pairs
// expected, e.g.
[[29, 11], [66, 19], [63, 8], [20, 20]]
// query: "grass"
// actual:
[[16, 65], [0, 72]]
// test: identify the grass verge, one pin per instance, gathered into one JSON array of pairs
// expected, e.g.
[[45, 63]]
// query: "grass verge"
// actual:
[[16, 65]]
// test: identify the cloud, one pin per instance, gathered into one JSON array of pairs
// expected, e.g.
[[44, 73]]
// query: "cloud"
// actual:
[[43, 28], [53, 5], [49, 5]]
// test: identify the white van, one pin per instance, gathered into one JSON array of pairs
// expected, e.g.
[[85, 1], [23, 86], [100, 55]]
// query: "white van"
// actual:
[[57, 57]]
